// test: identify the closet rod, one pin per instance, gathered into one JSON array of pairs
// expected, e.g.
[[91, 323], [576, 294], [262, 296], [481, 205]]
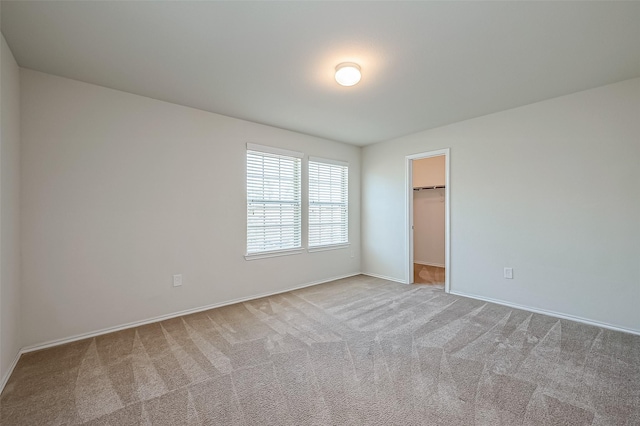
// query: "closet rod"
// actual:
[[428, 187]]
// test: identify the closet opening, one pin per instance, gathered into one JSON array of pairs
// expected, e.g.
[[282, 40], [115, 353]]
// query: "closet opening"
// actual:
[[428, 192]]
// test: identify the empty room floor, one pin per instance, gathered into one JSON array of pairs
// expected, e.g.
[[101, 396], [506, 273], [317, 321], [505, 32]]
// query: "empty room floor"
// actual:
[[425, 274], [356, 351]]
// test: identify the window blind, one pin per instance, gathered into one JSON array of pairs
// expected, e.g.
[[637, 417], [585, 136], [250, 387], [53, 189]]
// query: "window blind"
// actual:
[[328, 202], [273, 201]]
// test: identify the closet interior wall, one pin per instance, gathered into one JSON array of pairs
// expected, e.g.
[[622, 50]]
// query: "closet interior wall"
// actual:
[[429, 211]]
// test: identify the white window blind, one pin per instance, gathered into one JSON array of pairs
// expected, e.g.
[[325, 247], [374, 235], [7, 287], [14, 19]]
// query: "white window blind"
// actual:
[[328, 202], [273, 200]]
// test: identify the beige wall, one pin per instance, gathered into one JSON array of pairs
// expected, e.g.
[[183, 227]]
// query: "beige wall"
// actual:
[[122, 191], [10, 339], [551, 189], [429, 171], [429, 211]]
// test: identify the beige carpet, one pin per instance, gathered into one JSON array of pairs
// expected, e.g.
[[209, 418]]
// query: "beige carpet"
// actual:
[[359, 351]]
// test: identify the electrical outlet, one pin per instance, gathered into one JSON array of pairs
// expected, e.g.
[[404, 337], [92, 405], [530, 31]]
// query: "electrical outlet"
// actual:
[[177, 280], [508, 273], [353, 253]]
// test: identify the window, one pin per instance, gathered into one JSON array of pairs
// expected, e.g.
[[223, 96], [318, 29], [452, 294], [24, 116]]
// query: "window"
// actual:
[[273, 199], [328, 202]]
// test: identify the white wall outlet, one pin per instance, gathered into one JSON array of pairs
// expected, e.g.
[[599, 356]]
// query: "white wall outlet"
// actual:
[[177, 280], [508, 273], [353, 253]]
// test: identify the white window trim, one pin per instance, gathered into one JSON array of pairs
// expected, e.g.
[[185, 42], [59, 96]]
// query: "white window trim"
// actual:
[[329, 161], [273, 253], [274, 150], [329, 247]]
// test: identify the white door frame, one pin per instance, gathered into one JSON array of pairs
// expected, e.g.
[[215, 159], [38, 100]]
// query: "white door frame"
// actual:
[[409, 214]]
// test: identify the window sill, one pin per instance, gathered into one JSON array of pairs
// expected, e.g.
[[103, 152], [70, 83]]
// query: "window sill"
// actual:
[[331, 247], [274, 253]]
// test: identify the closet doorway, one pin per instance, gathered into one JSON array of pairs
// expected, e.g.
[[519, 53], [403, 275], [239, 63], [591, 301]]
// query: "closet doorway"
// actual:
[[428, 192]]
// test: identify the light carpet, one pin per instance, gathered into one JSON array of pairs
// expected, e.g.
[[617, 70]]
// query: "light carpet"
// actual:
[[358, 351]]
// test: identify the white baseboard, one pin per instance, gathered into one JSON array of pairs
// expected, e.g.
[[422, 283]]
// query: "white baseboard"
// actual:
[[549, 313], [384, 277], [9, 372], [51, 343], [425, 263]]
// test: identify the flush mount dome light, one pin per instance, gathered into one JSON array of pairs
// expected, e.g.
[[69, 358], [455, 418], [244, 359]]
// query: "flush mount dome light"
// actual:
[[348, 74]]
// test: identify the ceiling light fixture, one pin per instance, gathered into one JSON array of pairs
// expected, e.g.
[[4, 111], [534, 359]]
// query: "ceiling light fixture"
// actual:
[[348, 74]]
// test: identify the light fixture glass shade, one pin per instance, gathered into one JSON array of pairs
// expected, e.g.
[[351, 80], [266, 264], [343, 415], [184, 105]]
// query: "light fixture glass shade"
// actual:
[[348, 74]]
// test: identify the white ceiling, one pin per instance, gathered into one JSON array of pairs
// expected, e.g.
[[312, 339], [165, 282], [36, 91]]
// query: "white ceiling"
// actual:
[[424, 64]]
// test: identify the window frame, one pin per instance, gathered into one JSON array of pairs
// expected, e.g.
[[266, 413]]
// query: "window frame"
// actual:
[[330, 246], [272, 151]]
